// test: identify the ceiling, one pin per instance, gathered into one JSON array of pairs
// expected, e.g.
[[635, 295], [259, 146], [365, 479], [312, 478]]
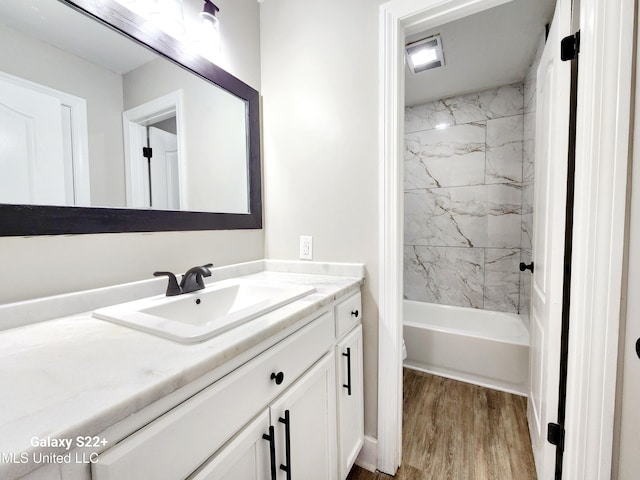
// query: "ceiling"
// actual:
[[491, 48], [59, 25]]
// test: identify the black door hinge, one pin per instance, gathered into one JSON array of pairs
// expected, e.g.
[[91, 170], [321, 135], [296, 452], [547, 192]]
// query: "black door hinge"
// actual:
[[570, 47], [147, 152], [555, 435]]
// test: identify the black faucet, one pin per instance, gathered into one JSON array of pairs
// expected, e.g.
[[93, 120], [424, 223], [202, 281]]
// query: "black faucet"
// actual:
[[191, 280], [172, 288]]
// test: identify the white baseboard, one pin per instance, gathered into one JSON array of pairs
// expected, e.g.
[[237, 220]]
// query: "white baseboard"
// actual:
[[368, 457]]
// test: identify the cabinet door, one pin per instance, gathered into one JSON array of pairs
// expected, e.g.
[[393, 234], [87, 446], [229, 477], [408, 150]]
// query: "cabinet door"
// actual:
[[305, 423], [246, 457], [350, 400]]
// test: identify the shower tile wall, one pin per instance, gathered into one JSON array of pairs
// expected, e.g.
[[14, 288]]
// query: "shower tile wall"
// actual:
[[464, 219]]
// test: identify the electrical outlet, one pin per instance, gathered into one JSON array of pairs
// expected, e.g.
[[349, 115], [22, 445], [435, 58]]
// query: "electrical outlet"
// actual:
[[306, 247]]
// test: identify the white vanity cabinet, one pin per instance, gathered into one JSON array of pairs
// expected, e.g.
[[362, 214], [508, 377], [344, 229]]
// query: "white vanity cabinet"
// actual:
[[349, 383], [283, 415], [350, 406], [305, 426], [246, 457], [292, 439]]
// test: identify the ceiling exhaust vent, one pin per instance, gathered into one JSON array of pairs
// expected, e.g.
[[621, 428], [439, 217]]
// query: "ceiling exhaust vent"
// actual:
[[425, 54]]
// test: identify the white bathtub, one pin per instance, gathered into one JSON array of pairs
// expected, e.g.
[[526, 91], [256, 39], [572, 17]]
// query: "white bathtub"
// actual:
[[486, 348]]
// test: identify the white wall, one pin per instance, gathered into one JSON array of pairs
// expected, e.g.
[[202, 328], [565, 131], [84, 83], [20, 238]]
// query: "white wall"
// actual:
[[319, 86], [39, 266]]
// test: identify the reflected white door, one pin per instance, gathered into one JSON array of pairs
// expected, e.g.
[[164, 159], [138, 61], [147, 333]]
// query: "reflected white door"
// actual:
[[629, 440], [165, 188], [31, 147], [552, 134]]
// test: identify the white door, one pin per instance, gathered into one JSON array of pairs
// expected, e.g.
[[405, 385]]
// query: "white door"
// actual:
[[552, 133], [305, 424], [349, 375], [627, 410], [246, 457], [31, 147], [165, 188]]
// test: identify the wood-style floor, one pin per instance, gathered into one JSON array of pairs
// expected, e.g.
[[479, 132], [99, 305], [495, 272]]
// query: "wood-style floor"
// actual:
[[457, 431]]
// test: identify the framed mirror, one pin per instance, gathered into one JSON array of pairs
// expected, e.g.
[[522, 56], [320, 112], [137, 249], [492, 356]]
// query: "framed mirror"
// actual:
[[178, 148]]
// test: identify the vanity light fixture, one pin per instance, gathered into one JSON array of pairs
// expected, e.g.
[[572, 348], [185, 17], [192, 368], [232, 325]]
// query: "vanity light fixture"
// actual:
[[207, 36], [208, 13], [425, 54]]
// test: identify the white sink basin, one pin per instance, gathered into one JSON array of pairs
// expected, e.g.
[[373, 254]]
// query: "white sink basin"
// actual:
[[201, 315]]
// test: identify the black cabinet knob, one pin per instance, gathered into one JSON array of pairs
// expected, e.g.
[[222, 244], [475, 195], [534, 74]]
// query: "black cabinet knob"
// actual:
[[524, 266], [355, 313], [278, 377], [638, 347]]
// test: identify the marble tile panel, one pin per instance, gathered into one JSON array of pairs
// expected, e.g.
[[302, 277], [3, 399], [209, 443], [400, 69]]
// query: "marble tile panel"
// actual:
[[531, 78], [529, 96], [444, 275], [502, 279], [428, 116], [528, 147], [527, 216], [504, 150], [474, 107], [529, 93], [476, 216], [445, 157], [525, 284]]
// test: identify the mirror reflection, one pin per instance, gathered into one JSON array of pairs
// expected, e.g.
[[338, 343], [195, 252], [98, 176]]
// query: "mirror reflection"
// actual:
[[91, 118]]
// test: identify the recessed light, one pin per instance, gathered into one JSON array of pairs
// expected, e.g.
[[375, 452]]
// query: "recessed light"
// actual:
[[425, 54]]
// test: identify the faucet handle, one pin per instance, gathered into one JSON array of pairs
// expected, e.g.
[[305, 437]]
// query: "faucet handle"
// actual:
[[172, 288], [201, 271], [192, 279]]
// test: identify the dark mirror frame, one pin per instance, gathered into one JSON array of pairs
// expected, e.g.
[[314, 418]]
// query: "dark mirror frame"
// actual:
[[28, 220]]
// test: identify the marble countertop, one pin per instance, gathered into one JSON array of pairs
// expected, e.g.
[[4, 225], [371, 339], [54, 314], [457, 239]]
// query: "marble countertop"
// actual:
[[78, 375]]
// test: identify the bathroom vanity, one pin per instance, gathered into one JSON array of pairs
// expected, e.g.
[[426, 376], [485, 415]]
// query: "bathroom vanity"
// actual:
[[277, 397]]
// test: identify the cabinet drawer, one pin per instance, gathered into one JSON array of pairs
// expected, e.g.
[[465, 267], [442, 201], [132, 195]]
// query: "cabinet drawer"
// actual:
[[175, 444], [348, 314]]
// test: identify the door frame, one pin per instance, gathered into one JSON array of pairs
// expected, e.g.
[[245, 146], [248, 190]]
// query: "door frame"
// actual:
[[604, 104], [134, 121]]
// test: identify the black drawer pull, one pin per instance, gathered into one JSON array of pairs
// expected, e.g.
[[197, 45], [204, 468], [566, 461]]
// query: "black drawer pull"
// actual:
[[278, 377], [348, 385], [271, 437], [287, 446], [355, 313]]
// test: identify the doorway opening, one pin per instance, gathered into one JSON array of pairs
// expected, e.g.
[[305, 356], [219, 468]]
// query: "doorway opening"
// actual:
[[469, 165], [444, 220], [154, 154], [602, 145]]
